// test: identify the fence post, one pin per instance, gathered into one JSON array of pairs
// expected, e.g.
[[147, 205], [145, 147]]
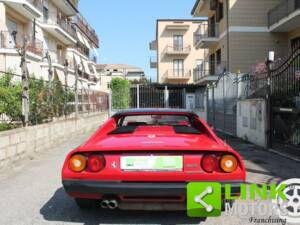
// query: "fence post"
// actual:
[[166, 95], [184, 98], [25, 83], [76, 91], [110, 102], [138, 96]]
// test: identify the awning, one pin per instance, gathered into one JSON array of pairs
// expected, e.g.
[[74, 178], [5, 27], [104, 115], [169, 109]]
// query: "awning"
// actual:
[[80, 38], [61, 76], [78, 61], [86, 42], [94, 69], [86, 67]]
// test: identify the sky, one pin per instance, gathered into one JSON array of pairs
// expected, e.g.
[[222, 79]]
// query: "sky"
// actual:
[[126, 27]]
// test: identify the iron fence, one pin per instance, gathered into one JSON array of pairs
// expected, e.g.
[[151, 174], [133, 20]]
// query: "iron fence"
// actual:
[[148, 96], [47, 100]]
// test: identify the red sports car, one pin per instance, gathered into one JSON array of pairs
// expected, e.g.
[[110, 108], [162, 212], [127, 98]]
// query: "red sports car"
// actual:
[[144, 159]]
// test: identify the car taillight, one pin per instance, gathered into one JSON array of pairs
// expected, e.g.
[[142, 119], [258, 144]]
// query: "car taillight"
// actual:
[[77, 163], [209, 163], [96, 163], [228, 163]]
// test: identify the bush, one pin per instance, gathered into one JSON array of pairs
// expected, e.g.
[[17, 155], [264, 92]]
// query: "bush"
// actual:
[[120, 93], [41, 106], [10, 98]]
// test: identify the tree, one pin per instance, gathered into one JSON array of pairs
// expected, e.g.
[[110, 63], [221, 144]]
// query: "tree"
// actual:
[[120, 93]]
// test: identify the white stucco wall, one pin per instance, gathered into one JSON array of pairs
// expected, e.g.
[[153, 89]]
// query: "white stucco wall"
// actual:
[[251, 121]]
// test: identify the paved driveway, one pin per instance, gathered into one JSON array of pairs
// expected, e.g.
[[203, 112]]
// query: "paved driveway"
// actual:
[[31, 192]]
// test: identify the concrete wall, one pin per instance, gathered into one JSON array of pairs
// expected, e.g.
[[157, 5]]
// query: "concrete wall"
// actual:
[[19, 143], [251, 121]]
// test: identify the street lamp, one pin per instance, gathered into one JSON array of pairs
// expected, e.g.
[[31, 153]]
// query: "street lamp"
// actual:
[[270, 60]]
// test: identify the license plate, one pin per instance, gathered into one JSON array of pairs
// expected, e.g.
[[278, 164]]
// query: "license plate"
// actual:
[[152, 163]]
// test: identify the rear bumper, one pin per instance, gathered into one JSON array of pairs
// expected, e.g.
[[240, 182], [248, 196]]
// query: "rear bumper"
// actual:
[[136, 189]]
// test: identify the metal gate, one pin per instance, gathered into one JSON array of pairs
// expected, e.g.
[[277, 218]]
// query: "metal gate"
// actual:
[[150, 96], [222, 104], [285, 102]]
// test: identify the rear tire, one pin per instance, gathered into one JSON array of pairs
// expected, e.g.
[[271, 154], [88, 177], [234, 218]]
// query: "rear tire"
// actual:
[[86, 203]]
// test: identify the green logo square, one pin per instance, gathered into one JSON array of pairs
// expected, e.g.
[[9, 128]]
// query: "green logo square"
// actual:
[[204, 199]]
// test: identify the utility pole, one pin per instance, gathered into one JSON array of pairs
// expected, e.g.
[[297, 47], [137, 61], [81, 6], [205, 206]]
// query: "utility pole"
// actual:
[[269, 129], [66, 65], [25, 83]]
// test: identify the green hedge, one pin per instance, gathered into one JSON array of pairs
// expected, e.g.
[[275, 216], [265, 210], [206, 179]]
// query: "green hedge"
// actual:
[[120, 93]]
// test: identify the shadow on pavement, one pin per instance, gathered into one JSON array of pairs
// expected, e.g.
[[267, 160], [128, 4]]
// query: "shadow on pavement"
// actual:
[[60, 208], [262, 166]]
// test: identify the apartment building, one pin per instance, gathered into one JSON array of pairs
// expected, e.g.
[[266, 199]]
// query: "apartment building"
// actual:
[[52, 28], [177, 58], [240, 33], [109, 71]]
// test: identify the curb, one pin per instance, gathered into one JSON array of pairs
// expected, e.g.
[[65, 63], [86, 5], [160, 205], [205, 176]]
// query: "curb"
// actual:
[[287, 156]]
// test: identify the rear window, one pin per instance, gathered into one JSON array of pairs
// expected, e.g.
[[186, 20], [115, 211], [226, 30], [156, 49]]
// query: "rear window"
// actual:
[[154, 120]]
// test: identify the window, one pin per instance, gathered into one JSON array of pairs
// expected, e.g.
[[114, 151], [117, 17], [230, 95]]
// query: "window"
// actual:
[[219, 56], [178, 42], [219, 12], [46, 9], [212, 27], [212, 64], [154, 120], [178, 67], [12, 28]]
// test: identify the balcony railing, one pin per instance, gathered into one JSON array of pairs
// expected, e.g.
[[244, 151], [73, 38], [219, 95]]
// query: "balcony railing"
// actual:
[[86, 28], [173, 49], [153, 45], [206, 31], [14, 40], [208, 69], [284, 9], [153, 62], [178, 74], [201, 71], [36, 47], [58, 19]]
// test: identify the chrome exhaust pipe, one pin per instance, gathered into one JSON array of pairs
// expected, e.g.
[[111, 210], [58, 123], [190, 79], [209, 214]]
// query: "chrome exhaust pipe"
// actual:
[[113, 204], [104, 204]]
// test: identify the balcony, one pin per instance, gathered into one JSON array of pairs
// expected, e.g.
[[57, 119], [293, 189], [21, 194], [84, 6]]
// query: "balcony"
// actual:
[[177, 50], [153, 63], [153, 45], [24, 7], [60, 27], [206, 36], [80, 22], [208, 72], [177, 75], [15, 40], [285, 17]]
